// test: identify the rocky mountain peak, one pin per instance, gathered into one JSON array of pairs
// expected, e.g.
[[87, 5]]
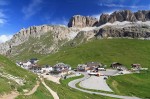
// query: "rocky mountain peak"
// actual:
[[82, 21], [125, 15]]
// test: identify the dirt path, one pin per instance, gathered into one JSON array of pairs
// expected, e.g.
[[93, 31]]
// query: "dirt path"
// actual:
[[51, 78], [53, 93], [13, 95], [33, 90]]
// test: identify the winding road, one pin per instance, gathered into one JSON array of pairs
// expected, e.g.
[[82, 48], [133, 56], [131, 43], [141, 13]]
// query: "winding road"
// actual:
[[73, 83]]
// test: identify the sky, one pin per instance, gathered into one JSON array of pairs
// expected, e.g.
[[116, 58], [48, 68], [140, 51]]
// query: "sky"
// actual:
[[17, 14]]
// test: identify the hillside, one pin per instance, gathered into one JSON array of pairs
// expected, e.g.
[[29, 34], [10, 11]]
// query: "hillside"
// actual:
[[13, 77], [106, 51], [37, 41]]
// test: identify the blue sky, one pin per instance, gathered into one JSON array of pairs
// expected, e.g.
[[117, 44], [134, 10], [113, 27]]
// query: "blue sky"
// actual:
[[16, 14]]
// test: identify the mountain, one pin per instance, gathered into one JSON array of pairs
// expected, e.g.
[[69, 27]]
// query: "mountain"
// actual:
[[36, 41], [125, 15], [82, 21]]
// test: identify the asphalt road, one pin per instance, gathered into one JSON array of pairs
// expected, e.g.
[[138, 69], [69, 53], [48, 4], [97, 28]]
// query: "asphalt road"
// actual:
[[97, 83], [73, 83]]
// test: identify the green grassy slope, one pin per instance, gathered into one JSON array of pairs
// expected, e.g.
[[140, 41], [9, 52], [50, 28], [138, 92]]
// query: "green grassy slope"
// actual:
[[135, 84], [7, 66], [41, 93], [125, 51]]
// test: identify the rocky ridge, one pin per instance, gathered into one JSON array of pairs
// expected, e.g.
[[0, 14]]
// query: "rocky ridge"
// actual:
[[57, 33], [82, 21], [125, 15], [46, 39]]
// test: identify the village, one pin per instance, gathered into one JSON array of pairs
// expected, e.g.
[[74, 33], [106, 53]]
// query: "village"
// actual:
[[95, 70], [91, 68]]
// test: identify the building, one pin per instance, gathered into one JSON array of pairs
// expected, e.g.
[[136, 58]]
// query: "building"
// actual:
[[136, 66], [81, 67], [46, 69], [35, 69], [92, 66], [118, 66], [61, 68], [33, 60]]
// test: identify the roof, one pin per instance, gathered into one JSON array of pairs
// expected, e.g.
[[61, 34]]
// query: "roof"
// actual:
[[116, 63]]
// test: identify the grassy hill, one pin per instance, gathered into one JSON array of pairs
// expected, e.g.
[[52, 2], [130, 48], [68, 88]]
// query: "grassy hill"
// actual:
[[135, 84], [7, 85], [41, 93], [106, 51]]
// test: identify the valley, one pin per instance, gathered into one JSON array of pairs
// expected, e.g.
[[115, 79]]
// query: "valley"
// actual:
[[56, 61]]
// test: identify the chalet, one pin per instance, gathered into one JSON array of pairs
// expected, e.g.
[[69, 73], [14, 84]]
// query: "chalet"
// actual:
[[33, 60], [46, 69], [61, 68], [118, 66], [81, 67], [94, 64], [136, 66], [35, 69]]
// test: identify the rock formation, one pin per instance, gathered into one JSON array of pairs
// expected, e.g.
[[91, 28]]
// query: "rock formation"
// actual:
[[82, 21], [57, 33], [46, 39], [125, 15], [129, 30]]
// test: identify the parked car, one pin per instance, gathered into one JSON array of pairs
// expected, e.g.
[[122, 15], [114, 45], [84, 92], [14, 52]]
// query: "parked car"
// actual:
[[101, 69]]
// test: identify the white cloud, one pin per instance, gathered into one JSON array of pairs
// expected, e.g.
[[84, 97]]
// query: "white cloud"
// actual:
[[3, 18], [120, 5], [32, 8], [2, 21], [4, 38]]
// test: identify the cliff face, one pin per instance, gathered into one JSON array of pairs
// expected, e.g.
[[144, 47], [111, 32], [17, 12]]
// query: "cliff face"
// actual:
[[125, 15], [130, 31], [46, 39], [82, 21]]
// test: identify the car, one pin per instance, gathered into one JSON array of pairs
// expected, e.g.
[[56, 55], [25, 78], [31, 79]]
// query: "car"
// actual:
[[105, 78], [101, 69]]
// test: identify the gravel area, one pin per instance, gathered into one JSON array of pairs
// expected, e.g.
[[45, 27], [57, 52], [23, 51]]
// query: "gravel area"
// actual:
[[109, 72], [97, 83]]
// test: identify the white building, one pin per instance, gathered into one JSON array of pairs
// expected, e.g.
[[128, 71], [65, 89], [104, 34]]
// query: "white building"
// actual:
[[46, 69]]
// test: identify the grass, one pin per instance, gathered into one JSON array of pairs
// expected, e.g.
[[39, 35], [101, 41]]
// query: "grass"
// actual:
[[6, 85], [7, 66], [65, 92], [135, 84], [41, 93], [106, 51], [126, 51], [32, 47]]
